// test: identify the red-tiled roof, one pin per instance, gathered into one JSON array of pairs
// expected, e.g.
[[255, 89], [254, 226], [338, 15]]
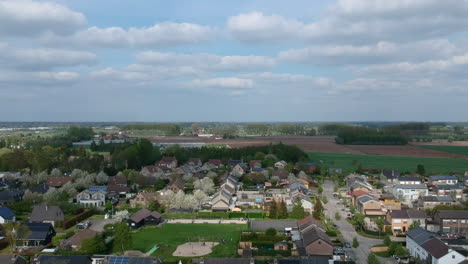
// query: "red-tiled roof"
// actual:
[[57, 181], [358, 193]]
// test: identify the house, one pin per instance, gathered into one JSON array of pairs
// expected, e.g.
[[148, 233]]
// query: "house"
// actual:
[[43, 213], [76, 240], [429, 202], [305, 200], [281, 246], [40, 189], [151, 170], [360, 185], [409, 180], [309, 222], [12, 259], [282, 175], [117, 186], [391, 175], [426, 247], [442, 179], [176, 185], [239, 169], [356, 194], [452, 221], [6, 215], [144, 198], [401, 220], [144, 217], [131, 260], [216, 162], [221, 202], [194, 162], [315, 242], [93, 196], [57, 182], [68, 259], [368, 205], [232, 163], [11, 196], [390, 202], [255, 164], [39, 234], [409, 192], [168, 162], [453, 190], [280, 165]]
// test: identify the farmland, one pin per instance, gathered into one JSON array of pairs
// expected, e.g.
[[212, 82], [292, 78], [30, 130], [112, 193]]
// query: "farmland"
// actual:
[[451, 149], [169, 236], [402, 163]]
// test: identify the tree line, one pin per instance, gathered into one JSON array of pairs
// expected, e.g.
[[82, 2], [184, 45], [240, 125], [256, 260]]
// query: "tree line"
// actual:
[[369, 136]]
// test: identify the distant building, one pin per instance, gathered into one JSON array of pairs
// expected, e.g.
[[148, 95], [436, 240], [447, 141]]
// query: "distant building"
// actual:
[[43, 213], [409, 192], [6, 215], [401, 220], [443, 180], [144, 217], [93, 196], [39, 234], [429, 202], [452, 221], [57, 182]]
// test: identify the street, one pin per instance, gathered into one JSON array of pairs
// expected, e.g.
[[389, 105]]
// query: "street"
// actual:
[[347, 230]]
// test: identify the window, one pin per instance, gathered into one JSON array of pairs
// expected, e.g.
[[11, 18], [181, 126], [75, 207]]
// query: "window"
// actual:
[[454, 221], [463, 221]]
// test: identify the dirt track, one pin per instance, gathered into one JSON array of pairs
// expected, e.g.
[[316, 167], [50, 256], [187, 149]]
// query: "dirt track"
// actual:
[[318, 144]]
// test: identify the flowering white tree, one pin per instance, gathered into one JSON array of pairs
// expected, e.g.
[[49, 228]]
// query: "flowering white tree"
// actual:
[[121, 215], [200, 197], [30, 196], [178, 200], [77, 173], [102, 178], [189, 202], [56, 173]]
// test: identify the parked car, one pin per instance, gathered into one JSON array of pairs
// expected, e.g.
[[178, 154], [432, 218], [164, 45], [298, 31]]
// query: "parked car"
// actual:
[[83, 225], [347, 245]]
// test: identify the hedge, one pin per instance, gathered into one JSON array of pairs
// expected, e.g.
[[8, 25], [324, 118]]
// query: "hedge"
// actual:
[[73, 221], [265, 252], [263, 244]]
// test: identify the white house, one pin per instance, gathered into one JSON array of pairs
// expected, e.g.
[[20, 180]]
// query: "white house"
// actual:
[[6, 215], [425, 246], [93, 196], [409, 192], [409, 180]]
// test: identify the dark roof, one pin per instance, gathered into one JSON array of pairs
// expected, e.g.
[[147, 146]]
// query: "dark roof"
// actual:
[[283, 175], [420, 235], [408, 214], [43, 212], [118, 180], [443, 177], [216, 162], [58, 181], [11, 195], [435, 247], [455, 214], [280, 225], [132, 260], [43, 188], [410, 186], [365, 198], [388, 196], [448, 187], [94, 189], [12, 259], [437, 199], [391, 174], [72, 259], [38, 231], [313, 234], [308, 260], [409, 178], [179, 183], [6, 213], [142, 214], [307, 222]]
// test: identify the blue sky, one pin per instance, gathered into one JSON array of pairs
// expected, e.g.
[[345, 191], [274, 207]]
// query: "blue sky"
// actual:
[[141, 60]]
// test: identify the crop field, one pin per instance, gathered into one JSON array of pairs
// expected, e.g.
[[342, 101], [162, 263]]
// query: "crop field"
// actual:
[[463, 150], [170, 236], [401, 163]]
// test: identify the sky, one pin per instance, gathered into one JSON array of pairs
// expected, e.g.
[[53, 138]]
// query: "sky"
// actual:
[[243, 60]]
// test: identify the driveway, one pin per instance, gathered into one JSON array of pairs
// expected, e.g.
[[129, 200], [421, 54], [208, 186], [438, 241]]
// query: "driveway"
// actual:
[[347, 230], [98, 224]]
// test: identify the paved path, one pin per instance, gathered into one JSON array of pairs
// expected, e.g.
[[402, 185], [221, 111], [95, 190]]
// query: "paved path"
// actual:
[[98, 224], [347, 230], [206, 221]]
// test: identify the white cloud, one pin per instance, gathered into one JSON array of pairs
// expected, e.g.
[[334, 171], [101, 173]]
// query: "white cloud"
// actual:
[[30, 18], [38, 77], [225, 82], [43, 59], [382, 52], [206, 62], [162, 34]]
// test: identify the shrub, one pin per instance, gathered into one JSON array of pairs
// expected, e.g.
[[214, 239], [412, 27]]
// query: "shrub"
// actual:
[[270, 232], [355, 243]]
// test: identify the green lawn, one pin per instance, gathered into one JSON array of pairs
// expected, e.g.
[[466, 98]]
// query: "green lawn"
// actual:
[[451, 149], [402, 163], [169, 236]]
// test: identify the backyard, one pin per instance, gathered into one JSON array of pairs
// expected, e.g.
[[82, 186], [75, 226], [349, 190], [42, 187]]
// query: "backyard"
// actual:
[[402, 163], [170, 236]]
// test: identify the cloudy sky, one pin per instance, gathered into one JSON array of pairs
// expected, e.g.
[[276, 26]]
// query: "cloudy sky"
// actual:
[[243, 60]]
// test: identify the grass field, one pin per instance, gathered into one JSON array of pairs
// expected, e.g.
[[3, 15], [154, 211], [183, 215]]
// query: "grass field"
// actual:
[[451, 149], [404, 164], [169, 236]]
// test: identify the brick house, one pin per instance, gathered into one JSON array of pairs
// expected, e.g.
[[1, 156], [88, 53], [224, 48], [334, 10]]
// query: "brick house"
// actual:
[[452, 221]]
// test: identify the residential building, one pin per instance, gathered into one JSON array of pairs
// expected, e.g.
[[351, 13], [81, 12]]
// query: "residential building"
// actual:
[[314, 242], [356, 194], [429, 202], [360, 185], [401, 220], [11, 196], [195, 162], [280, 165], [12, 259], [144, 217], [57, 182], [255, 164], [221, 201], [6, 215], [40, 189], [39, 234], [43, 213], [168, 162], [176, 185], [442, 179], [409, 180], [391, 176], [117, 186], [425, 246], [305, 200], [238, 170], [151, 170], [390, 202], [75, 241], [368, 205], [452, 190], [216, 162], [70, 259], [452, 221], [465, 178], [93, 196], [144, 198], [409, 192]]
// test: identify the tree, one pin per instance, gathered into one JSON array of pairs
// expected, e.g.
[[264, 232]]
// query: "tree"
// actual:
[[420, 169], [387, 240], [359, 218], [122, 238], [298, 211], [415, 224], [273, 212], [320, 189], [372, 259], [318, 209], [13, 231], [380, 224], [93, 245], [283, 210], [337, 216], [355, 242], [270, 232]]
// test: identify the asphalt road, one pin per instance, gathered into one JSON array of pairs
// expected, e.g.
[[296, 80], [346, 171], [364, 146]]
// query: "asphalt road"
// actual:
[[347, 230]]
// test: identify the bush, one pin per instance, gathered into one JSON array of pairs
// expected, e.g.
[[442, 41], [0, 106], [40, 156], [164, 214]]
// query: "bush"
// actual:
[[265, 252], [270, 232], [387, 240], [332, 233], [355, 243]]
